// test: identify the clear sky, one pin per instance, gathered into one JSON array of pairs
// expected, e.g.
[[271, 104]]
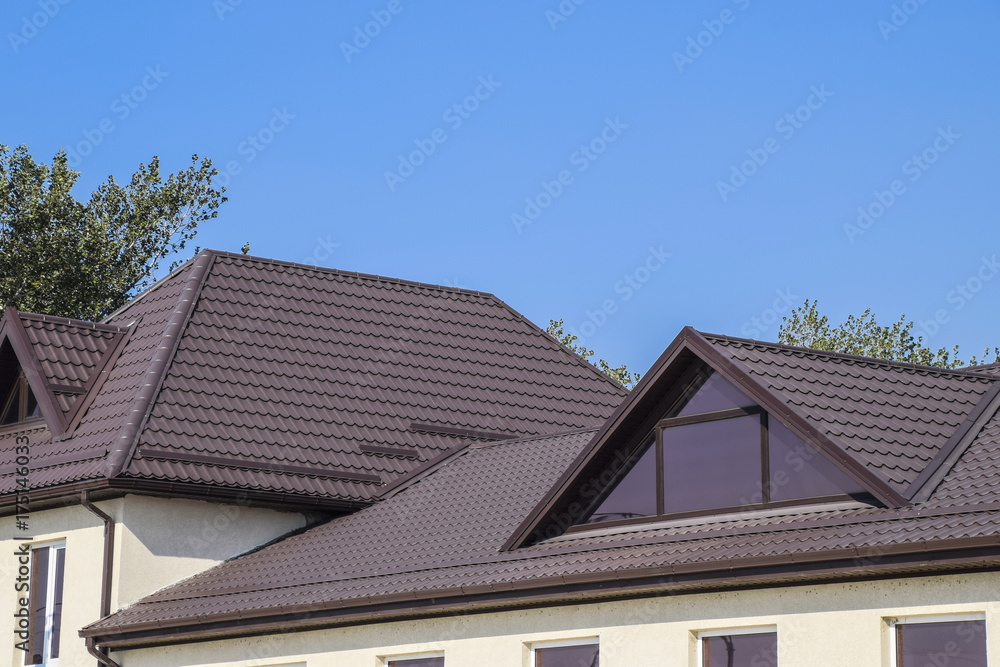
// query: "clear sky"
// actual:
[[631, 166]]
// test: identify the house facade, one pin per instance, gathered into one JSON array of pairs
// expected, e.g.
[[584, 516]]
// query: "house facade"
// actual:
[[261, 463]]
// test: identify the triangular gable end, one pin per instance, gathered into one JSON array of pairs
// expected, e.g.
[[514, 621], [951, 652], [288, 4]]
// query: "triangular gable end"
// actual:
[[625, 434], [62, 397]]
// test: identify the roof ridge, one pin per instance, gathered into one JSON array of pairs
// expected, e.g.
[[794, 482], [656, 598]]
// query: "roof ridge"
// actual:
[[902, 365], [352, 274], [70, 322], [122, 451], [155, 286], [586, 364]]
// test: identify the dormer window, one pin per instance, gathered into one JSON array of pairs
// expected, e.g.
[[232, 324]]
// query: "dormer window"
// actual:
[[716, 451], [19, 402]]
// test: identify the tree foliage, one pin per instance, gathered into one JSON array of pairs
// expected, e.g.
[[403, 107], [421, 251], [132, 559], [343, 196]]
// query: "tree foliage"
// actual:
[[621, 375], [863, 336], [60, 256]]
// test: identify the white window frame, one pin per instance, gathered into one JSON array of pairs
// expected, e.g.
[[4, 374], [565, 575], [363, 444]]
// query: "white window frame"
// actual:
[[726, 632], [924, 619], [563, 643], [50, 600], [411, 656]]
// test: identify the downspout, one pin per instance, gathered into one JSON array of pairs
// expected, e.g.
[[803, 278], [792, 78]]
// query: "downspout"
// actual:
[[101, 658], [106, 570]]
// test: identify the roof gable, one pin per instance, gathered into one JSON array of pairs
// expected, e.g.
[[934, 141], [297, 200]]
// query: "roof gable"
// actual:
[[62, 361], [637, 416]]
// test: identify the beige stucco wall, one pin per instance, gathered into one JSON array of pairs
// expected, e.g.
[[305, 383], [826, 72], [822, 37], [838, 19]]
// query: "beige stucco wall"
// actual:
[[832, 625], [161, 541], [158, 541]]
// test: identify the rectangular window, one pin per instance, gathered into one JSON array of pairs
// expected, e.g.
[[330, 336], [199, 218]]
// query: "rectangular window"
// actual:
[[422, 660], [45, 599], [955, 640], [742, 647], [573, 653]]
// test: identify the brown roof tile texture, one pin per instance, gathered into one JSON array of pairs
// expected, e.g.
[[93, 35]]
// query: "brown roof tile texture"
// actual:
[[284, 371], [81, 457], [283, 364], [440, 534]]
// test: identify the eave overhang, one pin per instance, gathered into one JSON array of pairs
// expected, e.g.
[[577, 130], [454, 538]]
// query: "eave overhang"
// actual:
[[876, 562]]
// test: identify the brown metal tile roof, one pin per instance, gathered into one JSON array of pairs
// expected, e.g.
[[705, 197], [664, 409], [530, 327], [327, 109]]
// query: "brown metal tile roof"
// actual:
[[81, 457], [438, 537], [248, 373]]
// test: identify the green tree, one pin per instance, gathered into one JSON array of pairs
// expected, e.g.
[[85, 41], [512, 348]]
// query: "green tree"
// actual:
[[621, 375], [863, 336], [60, 256]]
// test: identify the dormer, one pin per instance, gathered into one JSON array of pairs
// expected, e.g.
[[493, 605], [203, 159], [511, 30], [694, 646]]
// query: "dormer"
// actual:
[[50, 367], [716, 451], [19, 404], [723, 427]]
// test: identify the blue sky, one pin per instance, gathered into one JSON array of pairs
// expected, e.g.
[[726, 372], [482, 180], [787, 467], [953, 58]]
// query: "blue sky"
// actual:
[[631, 167]]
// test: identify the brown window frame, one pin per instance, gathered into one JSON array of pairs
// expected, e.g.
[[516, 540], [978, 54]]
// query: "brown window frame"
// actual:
[[54, 579], [19, 391], [687, 383]]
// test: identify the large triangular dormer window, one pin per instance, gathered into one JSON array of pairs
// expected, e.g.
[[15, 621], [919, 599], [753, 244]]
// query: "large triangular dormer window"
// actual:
[[716, 451], [18, 400]]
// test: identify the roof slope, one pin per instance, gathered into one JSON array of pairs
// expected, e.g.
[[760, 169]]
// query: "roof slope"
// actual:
[[82, 456], [248, 373], [894, 417], [438, 539]]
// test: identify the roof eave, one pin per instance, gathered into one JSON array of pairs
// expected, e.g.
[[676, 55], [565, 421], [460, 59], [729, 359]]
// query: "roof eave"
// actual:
[[875, 562]]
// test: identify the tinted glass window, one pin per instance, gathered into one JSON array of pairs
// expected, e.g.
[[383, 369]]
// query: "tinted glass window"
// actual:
[[798, 471], [711, 465], [567, 656], [956, 644], [60, 555], [12, 404], [421, 662], [39, 596], [635, 496], [757, 650], [717, 393]]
